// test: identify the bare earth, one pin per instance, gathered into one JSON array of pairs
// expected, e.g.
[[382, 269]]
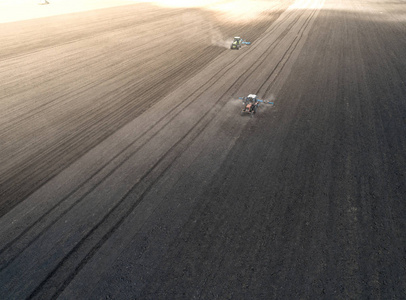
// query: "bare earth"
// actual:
[[127, 171]]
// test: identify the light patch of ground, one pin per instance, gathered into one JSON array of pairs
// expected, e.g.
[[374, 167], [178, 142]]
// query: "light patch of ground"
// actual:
[[238, 10]]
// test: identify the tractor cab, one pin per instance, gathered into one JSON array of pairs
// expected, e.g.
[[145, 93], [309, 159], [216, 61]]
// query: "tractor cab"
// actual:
[[237, 40], [251, 98]]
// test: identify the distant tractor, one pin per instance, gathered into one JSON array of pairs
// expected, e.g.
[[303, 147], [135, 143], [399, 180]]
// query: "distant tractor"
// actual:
[[237, 43]]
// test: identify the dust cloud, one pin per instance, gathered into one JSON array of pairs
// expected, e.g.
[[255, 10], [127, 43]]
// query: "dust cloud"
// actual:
[[217, 38]]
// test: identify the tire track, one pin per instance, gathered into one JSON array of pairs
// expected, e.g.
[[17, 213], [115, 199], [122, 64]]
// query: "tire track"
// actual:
[[24, 172], [42, 173], [115, 227], [182, 104], [218, 75], [44, 216], [213, 79], [180, 141], [287, 55], [220, 262]]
